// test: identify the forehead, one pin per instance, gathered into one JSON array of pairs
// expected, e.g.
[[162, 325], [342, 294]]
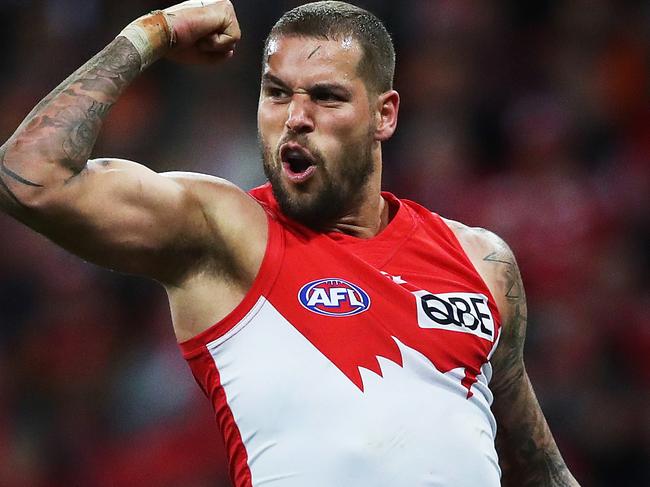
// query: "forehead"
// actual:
[[309, 59]]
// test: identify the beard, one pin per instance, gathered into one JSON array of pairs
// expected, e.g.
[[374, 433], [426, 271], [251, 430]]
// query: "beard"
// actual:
[[340, 190]]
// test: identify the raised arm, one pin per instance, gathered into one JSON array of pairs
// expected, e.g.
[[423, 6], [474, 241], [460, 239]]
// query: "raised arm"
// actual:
[[114, 212], [528, 455]]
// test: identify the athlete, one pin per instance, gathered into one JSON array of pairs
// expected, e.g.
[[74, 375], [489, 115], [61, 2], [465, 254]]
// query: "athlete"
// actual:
[[344, 336]]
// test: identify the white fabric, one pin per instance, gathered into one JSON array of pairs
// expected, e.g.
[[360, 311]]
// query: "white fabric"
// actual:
[[412, 427]]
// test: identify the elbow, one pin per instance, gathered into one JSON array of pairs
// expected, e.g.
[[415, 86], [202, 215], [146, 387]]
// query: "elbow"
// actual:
[[19, 191], [20, 202]]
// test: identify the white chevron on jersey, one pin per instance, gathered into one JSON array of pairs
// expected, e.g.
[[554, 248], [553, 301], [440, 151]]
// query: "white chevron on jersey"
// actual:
[[320, 430]]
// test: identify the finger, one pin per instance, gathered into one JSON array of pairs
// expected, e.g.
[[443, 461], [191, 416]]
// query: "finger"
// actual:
[[204, 17], [217, 43], [232, 29]]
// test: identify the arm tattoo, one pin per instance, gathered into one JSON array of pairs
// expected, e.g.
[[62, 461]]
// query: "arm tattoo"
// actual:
[[8, 172], [66, 123], [528, 454], [514, 289], [4, 189], [510, 360], [84, 132]]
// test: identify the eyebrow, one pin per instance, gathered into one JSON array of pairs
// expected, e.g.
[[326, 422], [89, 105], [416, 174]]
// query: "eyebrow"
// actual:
[[269, 78], [336, 87]]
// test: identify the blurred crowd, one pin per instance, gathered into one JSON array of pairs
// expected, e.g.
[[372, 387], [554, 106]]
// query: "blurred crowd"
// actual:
[[531, 119]]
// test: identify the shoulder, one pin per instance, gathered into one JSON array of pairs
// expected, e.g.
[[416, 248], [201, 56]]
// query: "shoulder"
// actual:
[[218, 198], [476, 240], [494, 261], [236, 222], [206, 187]]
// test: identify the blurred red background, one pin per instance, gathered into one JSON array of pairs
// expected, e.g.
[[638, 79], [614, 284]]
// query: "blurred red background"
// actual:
[[531, 119]]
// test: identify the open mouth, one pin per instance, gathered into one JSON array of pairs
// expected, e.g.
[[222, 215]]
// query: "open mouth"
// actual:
[[299, 165]]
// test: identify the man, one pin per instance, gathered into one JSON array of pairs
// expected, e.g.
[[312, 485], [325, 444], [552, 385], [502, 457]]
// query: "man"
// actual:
[[344, 336]]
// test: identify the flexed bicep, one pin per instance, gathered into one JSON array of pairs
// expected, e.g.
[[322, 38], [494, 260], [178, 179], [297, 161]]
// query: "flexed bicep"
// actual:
[[113, 212], [124, 216]]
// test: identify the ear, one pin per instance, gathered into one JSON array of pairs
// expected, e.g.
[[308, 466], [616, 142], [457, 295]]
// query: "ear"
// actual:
[[387, 109]]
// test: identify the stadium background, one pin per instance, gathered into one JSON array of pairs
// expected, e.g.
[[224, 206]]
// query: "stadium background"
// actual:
[[529, 118]]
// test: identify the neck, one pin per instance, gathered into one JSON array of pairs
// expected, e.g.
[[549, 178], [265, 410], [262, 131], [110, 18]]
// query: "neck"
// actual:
[[369, 217], [364, 224]]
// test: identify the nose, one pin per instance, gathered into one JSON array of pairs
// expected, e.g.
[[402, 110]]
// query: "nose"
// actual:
[[299, 116]]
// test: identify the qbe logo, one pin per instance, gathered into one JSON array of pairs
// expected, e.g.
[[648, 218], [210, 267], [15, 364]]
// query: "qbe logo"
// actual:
[[462, 312], [334, 297]]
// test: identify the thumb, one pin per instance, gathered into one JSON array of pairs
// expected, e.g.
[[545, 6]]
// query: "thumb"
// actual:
[[217, 43], [195, 19]]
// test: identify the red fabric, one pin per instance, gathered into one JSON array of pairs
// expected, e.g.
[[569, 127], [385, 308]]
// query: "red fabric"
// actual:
[[415, 238], [237, 456], [417, 246]]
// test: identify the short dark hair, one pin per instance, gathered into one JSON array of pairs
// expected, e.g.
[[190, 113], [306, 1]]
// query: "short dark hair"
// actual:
[[335, 20]]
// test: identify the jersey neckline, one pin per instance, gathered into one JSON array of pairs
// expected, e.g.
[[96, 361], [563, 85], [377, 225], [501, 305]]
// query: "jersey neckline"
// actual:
[[400, 225]]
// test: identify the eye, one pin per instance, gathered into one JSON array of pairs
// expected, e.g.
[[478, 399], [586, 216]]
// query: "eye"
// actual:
[[327, 96], [276, 93]]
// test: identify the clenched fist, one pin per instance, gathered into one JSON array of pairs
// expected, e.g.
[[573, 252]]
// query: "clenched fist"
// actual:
[[196, 31], [203, 30]]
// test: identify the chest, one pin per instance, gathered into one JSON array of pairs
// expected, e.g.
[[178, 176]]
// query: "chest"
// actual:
[[355, 306]]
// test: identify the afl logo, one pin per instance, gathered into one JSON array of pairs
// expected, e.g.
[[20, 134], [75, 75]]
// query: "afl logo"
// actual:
[[334, 297]]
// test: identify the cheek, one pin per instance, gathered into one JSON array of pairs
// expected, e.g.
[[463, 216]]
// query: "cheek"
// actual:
[[269, 132], [270, 118], [348, 130], [351, 123]]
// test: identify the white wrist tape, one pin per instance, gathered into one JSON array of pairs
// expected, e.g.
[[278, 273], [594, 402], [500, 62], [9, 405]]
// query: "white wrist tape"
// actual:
[[151, 35]]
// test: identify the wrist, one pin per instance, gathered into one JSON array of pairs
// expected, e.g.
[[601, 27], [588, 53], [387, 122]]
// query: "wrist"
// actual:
[[152, 36]]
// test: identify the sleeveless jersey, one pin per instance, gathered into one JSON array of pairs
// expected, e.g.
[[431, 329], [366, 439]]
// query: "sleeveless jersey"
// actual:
[[356, 362]]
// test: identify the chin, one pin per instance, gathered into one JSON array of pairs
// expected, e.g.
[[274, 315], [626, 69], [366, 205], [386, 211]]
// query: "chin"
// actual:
[[308, 205], [324, 198]]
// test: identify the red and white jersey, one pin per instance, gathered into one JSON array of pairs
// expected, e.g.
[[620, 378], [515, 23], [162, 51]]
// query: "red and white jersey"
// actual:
[[356, 362]]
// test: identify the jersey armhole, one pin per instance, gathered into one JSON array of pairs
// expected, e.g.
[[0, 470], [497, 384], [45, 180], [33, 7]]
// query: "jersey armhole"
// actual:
[[494, 308], [262, 284]]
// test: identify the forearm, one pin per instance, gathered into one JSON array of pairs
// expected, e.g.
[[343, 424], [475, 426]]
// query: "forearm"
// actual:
[[56, 139], [527, 451], [528, 454]]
